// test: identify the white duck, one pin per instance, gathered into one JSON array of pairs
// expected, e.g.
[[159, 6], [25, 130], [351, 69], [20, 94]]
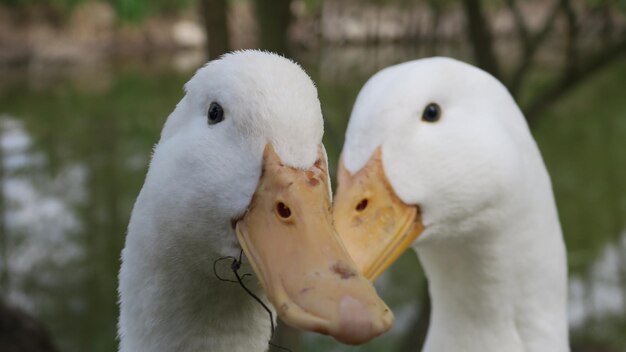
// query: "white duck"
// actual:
[[439, 157], [240, 162]]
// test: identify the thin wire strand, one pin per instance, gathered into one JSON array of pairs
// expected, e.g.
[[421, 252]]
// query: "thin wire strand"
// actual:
[[256, 298], [215, 268], [235, 266]]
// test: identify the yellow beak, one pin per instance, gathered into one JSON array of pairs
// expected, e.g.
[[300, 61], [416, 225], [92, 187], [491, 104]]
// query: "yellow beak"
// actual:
[[288, 236], [375, 225]]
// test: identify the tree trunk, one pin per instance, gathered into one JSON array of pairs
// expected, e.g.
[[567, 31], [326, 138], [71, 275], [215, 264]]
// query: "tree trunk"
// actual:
[[4, 236], [481, 38], [274, 18], [571, 54], [436, 10], [215, 16]]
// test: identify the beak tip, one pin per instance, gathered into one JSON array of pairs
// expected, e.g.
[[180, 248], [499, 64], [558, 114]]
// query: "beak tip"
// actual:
[[357, 324]]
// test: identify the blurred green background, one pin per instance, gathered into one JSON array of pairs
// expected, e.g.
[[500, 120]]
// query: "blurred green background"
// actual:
[[85, 87]]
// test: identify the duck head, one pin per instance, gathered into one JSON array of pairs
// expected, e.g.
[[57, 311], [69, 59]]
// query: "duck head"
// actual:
[[240, 165], [431, 150]]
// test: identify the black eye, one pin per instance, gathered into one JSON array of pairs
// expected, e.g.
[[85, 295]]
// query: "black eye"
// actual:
[[432, 113], [215, 113]]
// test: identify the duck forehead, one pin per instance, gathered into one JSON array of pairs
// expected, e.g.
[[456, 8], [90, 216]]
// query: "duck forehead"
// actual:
[[289, 112], [284, 112], [268, 97], [382, 105], [390, 105]]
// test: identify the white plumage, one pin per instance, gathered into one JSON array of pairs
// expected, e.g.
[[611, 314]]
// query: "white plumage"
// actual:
[[492, 247], [200, 178]]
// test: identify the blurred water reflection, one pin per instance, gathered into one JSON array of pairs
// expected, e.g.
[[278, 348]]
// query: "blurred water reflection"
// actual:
[[74, 148]]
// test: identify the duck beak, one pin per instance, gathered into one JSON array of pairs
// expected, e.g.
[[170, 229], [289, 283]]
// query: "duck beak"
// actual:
[[288, 237], [375, 225]]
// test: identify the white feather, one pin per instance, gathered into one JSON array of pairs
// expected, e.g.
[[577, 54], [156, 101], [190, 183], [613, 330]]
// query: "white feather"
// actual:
[[492, 248], [199, 179]]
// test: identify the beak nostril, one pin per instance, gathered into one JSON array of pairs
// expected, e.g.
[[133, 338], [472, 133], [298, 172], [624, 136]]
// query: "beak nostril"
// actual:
[[362, 205], [283, 210]]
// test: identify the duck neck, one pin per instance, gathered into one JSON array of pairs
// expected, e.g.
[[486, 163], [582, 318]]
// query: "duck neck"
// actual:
[[504, 290], [171, 299]]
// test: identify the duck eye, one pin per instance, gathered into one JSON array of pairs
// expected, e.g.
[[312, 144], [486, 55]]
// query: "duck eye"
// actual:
[[215, 113], [432, 113]]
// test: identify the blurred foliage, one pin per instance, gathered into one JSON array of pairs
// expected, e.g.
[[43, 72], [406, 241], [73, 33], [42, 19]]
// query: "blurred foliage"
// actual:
[[136, 10], [104, 126], [313, 5], [127, 10], [107, 125], [592, 149], [108, 121], [61, 4]]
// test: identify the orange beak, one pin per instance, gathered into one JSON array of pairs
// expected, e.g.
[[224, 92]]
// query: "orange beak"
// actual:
[[309, 277], [375, 225]]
